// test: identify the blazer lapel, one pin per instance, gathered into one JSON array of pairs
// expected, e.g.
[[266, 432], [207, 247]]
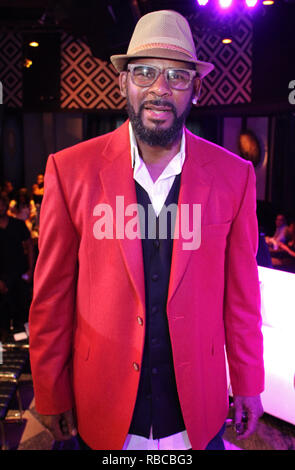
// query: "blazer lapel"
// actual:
[[119, 187], [117, 180], [196, 182]]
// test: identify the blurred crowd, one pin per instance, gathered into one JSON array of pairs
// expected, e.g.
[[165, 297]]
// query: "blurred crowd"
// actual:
[[24, 204], [281, 244], [19, 233]]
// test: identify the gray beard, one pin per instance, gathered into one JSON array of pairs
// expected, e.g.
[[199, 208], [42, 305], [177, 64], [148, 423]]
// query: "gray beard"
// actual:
[[157, 137]]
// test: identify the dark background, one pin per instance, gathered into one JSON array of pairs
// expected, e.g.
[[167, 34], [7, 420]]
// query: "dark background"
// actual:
[[106, 26]]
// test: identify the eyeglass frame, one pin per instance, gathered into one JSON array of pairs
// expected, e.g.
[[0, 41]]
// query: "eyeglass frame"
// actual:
[[192, 73]]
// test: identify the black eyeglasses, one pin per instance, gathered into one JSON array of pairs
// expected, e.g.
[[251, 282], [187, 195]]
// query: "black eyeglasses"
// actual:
[[145, 75]]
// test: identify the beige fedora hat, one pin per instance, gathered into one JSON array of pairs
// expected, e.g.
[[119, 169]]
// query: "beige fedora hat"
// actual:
[[163, 34]]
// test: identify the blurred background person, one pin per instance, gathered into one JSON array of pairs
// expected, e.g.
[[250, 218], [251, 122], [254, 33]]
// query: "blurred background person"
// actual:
[[38, 189], [23, 208], [288, 249], [8, 189], [280, 234], [37, 197], [16, 269]]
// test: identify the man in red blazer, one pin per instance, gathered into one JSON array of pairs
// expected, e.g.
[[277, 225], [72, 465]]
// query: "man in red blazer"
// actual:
[[115, 351]]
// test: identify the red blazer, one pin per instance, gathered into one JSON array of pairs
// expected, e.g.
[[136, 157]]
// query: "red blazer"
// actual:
[[86, 337]]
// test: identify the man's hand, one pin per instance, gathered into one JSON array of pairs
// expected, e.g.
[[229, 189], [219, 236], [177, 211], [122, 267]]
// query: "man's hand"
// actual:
[[247, 412], [61, 426]]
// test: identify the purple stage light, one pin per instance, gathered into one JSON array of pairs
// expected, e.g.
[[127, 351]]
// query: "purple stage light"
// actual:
[[202, 2], [251, 3], [225, 3]]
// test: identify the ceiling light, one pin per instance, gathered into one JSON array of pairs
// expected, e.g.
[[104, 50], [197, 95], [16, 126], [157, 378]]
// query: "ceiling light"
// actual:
[[251, 3], [225, 3], [27, 63]]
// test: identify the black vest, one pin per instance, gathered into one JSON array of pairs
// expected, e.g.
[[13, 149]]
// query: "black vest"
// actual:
[[157, 402]]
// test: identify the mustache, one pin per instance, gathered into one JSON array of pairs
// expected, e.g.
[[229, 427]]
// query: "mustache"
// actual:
[[158, 102]]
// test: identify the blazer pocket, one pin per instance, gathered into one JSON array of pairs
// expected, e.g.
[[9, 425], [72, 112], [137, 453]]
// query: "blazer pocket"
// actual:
[[82, 346]]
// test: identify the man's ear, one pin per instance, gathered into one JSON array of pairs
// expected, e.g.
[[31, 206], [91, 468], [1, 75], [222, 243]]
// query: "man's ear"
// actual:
[[123, 83], [197, 89]]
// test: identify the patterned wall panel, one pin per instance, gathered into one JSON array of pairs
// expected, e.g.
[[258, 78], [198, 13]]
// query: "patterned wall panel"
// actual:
[[87, 82], [230, 82], [11, 68]]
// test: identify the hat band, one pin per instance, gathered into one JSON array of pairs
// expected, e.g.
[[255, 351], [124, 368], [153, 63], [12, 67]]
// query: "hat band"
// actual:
[[159, 45]]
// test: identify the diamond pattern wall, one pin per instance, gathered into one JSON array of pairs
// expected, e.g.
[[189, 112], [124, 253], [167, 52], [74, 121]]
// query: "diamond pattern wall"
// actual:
[[230, 82], [11, 68], [87, 82]]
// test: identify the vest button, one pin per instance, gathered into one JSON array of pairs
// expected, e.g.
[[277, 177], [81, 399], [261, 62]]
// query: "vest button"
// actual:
[[155, 309], [135, 366], [139, 320], [155, 277], [156, 243], [154, 371]]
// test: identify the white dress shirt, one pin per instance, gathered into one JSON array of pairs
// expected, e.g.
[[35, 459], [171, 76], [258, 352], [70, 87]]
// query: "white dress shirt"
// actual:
[[158, 192]]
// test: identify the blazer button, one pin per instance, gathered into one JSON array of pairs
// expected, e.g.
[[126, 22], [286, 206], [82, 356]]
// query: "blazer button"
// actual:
[[139, 320], [135, 366]]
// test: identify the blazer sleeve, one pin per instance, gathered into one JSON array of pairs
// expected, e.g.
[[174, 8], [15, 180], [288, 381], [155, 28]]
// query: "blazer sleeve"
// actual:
[[51, 318], [242, 317]]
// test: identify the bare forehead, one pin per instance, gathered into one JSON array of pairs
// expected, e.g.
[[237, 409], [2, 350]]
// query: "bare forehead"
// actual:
[[162, 63]]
